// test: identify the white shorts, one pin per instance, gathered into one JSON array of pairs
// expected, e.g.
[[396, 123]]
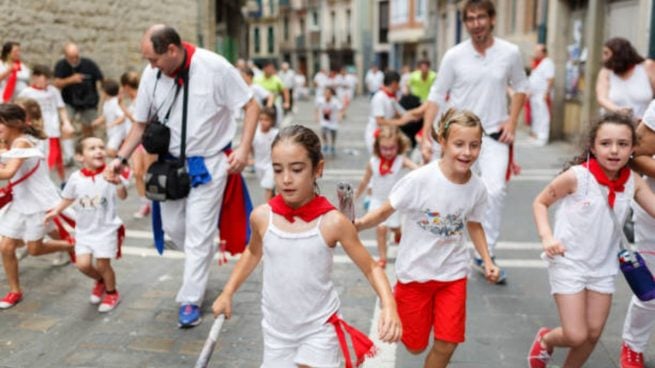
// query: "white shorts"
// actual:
[[564, 280], [320, 349], [115, 137], [393, 221], [98, 248], [16, 225], [265, 177]]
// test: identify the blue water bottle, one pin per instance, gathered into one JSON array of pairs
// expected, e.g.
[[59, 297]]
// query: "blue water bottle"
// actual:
[[637, 274]]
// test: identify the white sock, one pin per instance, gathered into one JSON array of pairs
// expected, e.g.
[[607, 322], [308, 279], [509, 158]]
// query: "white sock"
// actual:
[[68, 147]]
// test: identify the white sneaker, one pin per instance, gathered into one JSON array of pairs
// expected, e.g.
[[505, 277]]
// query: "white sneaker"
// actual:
[[61, 259]]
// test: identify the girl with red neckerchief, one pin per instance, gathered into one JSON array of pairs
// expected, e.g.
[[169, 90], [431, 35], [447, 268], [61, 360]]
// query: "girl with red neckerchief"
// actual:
[[296, 233], [382, 172], [582, 249], [98, 231], [14, 74]]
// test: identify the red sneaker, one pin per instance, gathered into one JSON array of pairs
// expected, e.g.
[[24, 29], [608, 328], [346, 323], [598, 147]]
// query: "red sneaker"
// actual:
[[97, 292], [10, 300], [631, 358], [538, 356], [109, 302]]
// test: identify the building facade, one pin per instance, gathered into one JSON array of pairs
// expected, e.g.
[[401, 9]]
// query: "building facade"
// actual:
[[412, 32]]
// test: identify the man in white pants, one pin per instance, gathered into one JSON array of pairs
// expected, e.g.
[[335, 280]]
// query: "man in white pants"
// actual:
[[541, 86], [216, 91], [474, 75]]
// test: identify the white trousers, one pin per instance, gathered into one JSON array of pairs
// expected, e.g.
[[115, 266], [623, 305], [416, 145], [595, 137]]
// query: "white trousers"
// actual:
[[640, 319], [492, 168], [540, 117], [192, 224]]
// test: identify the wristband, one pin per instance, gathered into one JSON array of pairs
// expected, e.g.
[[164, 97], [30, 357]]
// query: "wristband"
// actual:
[[123, 160]]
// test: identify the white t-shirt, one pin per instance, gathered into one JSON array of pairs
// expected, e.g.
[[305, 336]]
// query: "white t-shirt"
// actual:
[[374, 80], [288, 78], [478, 82], [261, 146], [329, 112], [95, 207], [381, 106], [540, 75], [649, 116], [50, 102], [216, 90], [320, 80], [433, 246], [381, 185], [112, 111], [22, 81]]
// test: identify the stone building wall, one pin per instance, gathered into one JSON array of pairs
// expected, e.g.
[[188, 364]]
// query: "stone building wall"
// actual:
[[108, 31]]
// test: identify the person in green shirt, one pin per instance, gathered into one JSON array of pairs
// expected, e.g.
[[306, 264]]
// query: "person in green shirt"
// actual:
[[421, 80], [272, 83]]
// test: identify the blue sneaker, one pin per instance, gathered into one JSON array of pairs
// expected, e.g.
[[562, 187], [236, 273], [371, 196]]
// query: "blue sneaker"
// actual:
[[478, 265], [189, 316]]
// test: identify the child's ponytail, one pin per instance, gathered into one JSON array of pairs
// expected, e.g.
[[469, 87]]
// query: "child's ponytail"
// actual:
[[33, 117]]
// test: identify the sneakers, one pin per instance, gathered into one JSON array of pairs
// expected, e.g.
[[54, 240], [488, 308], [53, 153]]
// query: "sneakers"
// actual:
[[189, 316], [61, 259], [97, 292], [479, 266], [143, 211], [109, 302], [631, 358], [10, 300], [538, 356]]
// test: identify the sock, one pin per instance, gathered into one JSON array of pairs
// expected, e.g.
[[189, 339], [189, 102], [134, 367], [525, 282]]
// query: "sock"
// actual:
[[68, 146]]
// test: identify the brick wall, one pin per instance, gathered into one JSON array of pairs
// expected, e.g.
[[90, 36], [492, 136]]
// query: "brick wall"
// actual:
[[107, 31]]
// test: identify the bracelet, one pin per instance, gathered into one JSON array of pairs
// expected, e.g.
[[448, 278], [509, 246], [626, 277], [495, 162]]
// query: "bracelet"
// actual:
[[123, 160]]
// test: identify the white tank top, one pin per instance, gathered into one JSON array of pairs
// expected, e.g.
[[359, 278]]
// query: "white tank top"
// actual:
[[381, 185], [584, 226], [634, 92], [37, 193], [298, 295]]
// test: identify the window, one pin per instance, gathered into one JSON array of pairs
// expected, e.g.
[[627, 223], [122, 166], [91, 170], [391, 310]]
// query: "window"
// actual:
[[420, 10], [383, 20], [286, 28], [256, 40], [333, 25], [398, 13], [315, 19], [349, 39], [271, 40]]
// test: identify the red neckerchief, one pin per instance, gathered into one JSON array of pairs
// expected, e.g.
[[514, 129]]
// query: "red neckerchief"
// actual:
[[92, 173], [389, 94], [39, 88], [189, 50], [614, 186], [10, 87], [535, 63], [308, 212], [386, 165]]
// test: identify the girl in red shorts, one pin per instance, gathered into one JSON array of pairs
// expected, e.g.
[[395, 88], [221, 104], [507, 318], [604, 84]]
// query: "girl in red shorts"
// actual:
[[440, 202]]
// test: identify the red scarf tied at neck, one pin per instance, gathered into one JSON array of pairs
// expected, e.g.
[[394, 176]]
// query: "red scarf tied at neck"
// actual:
[[307, 212], [386, 165], [389, 94], [92, 173], [189, 50], [613, 186], [10, 87]]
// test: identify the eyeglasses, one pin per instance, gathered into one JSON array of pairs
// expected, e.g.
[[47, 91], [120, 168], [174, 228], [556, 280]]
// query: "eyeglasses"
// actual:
[[480, 18]]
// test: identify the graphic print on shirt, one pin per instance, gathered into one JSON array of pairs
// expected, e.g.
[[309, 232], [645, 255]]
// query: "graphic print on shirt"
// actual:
[[91, 203], [327, 113], [448, 226]]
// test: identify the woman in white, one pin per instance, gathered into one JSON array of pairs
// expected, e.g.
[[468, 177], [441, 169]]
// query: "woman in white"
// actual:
[[14, 74], [626, 82]]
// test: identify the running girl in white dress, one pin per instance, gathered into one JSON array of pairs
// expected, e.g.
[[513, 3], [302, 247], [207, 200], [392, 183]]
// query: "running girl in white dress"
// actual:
[[440, 201], [582, 250], [22, 220], [261, 145], [383, 171], [296, 233]]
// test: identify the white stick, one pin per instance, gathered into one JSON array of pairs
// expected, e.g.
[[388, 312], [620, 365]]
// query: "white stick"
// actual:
[[210, 343]]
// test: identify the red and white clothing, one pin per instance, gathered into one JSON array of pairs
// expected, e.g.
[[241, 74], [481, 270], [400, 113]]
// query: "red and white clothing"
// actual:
[[635, 92], [374, 80], [50, 101], [216, 91], [385, 106], [329, 112], [381, 185], [23, 216], [640, 319], [298, 298], [96, 220], [22, 79], [261, 145], [540, 110], [584, 226], [478, 83]]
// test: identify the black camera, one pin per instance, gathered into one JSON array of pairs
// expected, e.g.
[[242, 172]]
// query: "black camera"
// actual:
[[156, 137]]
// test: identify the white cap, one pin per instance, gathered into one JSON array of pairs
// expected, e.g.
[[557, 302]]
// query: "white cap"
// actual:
[[649, 116]]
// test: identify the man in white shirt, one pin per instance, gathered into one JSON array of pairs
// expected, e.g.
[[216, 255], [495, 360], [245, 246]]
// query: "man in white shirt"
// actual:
[[474, 75], [288, 77], [374, 79], [541, 86], [385, 109], [216, 91]]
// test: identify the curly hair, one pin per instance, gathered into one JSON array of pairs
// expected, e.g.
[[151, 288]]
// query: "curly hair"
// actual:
[[391, 132], [624, 56]]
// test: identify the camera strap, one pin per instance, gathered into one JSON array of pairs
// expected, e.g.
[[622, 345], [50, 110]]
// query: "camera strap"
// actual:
[[168, 112], [185, 102]]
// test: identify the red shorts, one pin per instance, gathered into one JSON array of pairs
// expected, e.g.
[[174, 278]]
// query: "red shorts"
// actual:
[[437, 304]]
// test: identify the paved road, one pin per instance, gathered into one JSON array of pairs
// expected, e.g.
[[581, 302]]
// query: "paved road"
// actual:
[[55, 326]]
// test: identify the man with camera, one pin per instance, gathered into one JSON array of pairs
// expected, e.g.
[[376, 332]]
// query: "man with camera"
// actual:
[[187, 99]]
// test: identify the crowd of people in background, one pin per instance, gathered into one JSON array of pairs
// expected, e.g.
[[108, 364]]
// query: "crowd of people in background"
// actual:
[[441, 143]]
